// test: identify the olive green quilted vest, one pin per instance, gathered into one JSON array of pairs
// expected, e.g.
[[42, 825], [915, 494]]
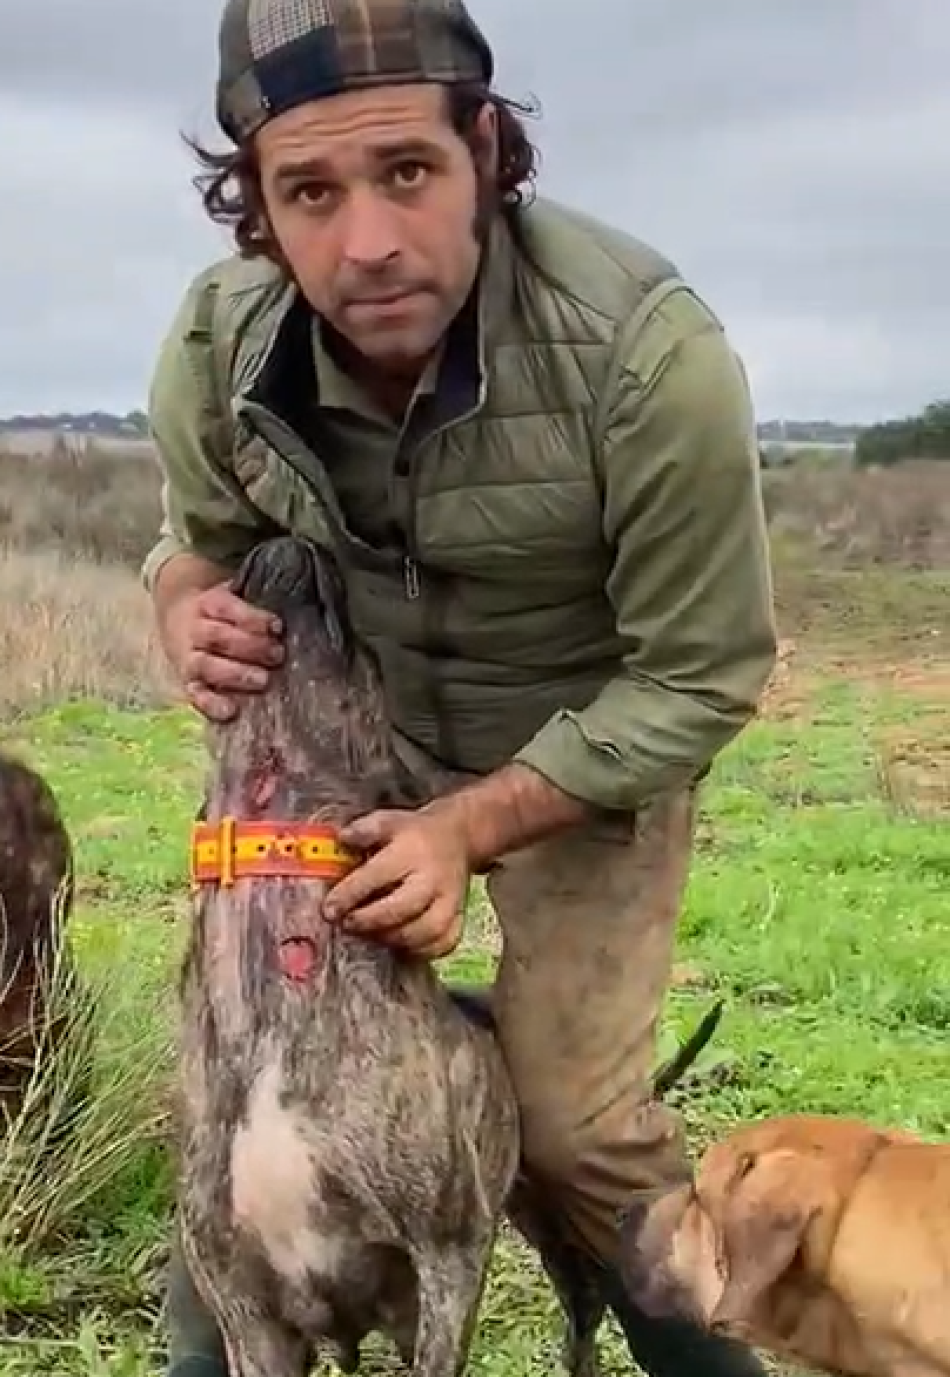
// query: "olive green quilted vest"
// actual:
[[489, 612]]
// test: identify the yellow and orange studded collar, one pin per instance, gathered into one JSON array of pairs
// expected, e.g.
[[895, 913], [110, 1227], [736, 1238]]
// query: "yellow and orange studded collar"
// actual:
[[231, 850]]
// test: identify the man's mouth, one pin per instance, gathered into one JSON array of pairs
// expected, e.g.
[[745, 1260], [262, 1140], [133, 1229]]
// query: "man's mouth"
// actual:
[[383, 301]]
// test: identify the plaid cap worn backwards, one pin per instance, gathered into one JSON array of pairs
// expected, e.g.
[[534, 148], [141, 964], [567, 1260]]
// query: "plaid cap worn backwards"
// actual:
[[275, 54]]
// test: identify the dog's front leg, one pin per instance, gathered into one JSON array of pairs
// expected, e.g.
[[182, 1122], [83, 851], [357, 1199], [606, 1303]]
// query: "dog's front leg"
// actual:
[[255, 1345], [450, 1291]]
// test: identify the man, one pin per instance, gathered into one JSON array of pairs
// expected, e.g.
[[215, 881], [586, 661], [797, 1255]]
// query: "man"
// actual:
[[533, 448]]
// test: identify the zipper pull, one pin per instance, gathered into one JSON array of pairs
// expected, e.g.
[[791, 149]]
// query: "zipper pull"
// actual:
[[411, 578]]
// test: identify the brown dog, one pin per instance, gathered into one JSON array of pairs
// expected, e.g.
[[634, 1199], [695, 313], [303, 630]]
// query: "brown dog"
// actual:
[[825, 1241]]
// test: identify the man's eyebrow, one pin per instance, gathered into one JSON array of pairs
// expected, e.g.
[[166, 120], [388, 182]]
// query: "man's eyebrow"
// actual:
[[381, 153], [405, 148], [307, 167]]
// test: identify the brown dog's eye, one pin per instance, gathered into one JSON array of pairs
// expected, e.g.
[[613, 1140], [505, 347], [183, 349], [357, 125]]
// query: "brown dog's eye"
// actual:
[[746, 1163]]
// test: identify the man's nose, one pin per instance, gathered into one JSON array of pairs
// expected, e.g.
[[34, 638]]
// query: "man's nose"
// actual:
[[370, 236]]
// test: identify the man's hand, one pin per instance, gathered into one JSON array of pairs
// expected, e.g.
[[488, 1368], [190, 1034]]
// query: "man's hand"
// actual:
[[221, 647], [411, 890]]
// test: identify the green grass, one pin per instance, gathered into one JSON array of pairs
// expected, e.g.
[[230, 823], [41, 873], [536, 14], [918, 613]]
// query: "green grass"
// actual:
[[817, 906]]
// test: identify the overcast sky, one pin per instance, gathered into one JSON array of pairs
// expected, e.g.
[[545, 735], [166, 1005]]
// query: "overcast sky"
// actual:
[[792, 155]]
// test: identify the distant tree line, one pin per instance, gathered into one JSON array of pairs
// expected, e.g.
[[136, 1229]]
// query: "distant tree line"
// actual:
[[807, 432], [104, 423], [926, 436]]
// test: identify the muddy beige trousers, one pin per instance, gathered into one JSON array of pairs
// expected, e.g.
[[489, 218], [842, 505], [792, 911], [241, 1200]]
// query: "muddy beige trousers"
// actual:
[[589, 922]]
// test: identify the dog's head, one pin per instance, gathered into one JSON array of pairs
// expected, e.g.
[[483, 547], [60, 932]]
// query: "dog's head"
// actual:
[[714, 1251]]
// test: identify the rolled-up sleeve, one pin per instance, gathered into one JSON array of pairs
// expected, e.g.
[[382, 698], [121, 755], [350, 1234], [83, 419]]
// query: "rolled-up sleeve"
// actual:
[[690, 581], [204, 510]]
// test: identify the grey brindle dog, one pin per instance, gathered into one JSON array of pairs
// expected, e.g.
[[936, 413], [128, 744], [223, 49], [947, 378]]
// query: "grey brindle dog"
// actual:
[[350, 1136], [349, 1133]]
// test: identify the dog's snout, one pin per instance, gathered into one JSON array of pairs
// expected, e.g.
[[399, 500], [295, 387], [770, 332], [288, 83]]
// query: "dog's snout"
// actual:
[[647, 1226], [633, 1217], [642, 1203]]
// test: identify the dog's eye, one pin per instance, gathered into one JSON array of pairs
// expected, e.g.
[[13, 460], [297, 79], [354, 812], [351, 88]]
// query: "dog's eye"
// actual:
[[746, 1163]]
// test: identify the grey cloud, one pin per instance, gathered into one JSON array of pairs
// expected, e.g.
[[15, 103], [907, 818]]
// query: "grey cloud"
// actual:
[[110, 53], [791, 157]]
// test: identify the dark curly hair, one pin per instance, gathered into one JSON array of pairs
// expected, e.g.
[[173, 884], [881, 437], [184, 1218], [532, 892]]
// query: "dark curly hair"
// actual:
[[230, 188]]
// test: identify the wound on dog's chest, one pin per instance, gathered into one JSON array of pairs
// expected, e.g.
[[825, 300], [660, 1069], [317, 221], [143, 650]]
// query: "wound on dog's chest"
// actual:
[[297, 958]]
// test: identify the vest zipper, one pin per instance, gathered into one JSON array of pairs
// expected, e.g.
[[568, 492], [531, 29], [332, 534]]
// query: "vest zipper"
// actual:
[[269, 432], [411, 579], [434, 611]]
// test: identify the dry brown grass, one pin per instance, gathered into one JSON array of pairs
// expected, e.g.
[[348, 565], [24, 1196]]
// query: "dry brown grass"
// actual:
[[858, 518], [93, 504], [75, 524], [74, 617], [70, 628]]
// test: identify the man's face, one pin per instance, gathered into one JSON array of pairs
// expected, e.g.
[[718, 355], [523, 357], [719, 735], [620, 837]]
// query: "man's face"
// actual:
[[373, 198]]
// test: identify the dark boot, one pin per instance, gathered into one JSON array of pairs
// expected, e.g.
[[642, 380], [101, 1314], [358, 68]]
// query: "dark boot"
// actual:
[[676, 1348], [195, 1346]]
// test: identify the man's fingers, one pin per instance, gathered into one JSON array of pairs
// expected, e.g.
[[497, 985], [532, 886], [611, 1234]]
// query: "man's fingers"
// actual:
[[435, 934], [391, 911], [220, 604], [218, 672], [215, 706], [373, 829], [379, 875], [250, 647]]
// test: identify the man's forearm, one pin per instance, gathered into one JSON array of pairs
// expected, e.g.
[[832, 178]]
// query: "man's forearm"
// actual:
[[510, 808]]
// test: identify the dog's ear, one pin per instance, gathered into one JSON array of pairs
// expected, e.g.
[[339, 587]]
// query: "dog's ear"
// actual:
[[760, 1215]]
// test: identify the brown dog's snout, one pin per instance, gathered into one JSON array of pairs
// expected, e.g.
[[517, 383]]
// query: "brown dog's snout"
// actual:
[[644, 1207], [635, 1214], [634, 1267], [647, 1226]]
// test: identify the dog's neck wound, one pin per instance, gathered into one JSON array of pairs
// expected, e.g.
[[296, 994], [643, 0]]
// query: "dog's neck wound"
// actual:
[[297, 957]]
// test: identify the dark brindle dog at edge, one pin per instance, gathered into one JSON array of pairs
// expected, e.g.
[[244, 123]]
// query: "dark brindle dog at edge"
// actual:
[[36, 895], [350, 1137]]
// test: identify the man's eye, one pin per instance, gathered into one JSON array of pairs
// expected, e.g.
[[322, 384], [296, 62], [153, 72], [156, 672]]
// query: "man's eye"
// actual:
[[409, 176], [312, 194]]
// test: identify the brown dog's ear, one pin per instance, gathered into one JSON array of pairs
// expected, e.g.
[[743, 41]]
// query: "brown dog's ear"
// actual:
[[761, 1217]]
